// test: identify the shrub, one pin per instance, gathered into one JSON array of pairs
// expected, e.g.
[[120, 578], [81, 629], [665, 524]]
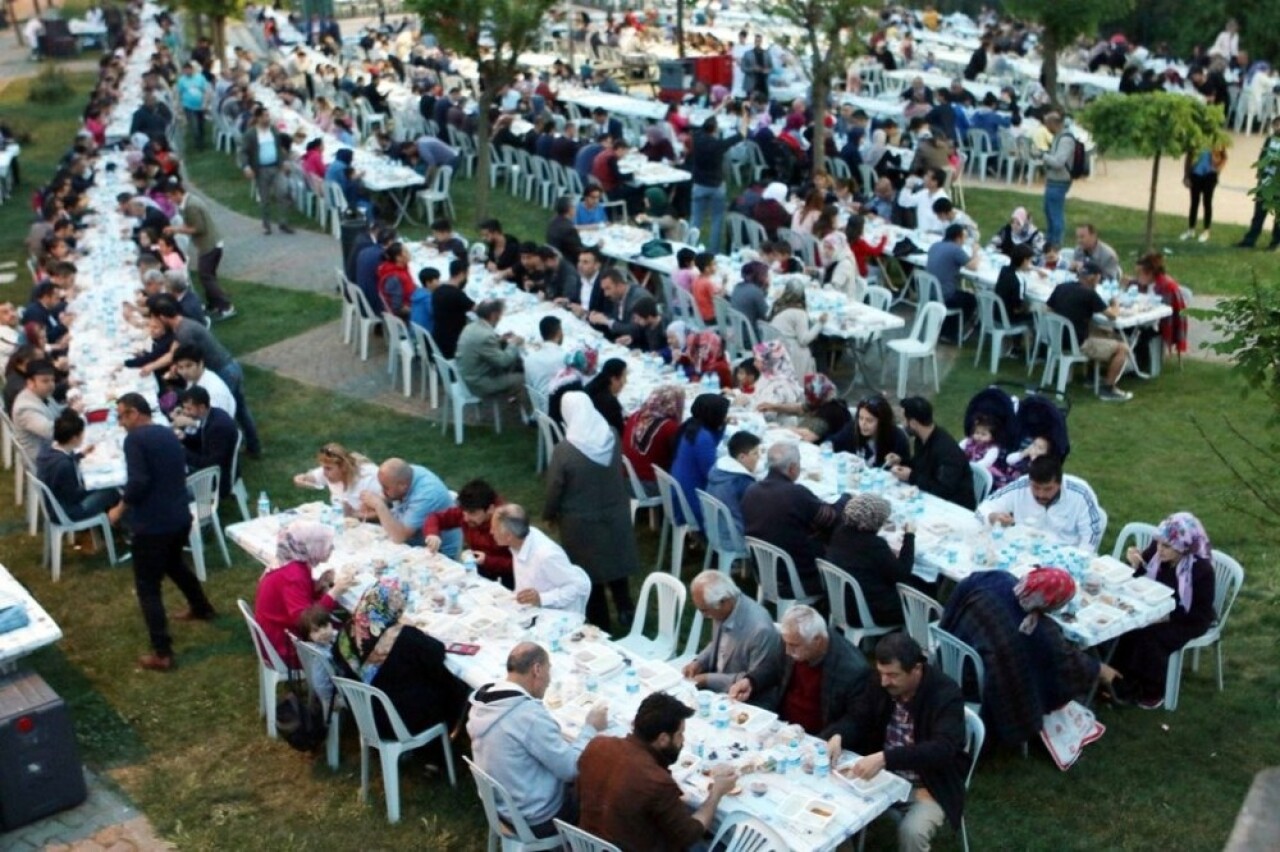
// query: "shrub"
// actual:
[[50, 86]]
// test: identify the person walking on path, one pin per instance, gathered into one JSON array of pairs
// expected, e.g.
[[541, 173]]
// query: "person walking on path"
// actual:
[[155, 498], [198, 224], [1267, 165], [263, 153], [1200, 176]]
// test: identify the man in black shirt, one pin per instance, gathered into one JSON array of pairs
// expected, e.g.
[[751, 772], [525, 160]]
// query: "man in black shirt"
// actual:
[[1077, 302], [562, 234], [938, 465], [449, 307], [707, 166]]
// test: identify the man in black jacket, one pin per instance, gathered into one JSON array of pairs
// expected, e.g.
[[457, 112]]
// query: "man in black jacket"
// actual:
[[938, 465], [910, 721], [707, 169], [58, 467], [822, 673], [211, 441], [562, 234]]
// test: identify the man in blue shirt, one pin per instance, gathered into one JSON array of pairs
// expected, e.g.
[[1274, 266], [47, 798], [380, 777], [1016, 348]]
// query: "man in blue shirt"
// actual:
[[192, 88], [946, 258], [409, 494], [155, 499]]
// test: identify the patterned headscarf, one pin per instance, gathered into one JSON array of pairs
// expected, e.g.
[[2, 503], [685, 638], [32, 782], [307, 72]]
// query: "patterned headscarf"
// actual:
[[1184, 533], [579, 364], [792, 297], [867, 512], [703, 349], [1043, 590], [774, 359], [665, 403], [818, 389], [834, 248], [310, 542], [373, 619]]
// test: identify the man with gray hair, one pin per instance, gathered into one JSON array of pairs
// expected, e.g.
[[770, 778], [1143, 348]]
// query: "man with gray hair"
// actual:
[[744, 656], [779, 510], [489, 362], [822, 675], [515, 739], [544, 576], [179, 286]]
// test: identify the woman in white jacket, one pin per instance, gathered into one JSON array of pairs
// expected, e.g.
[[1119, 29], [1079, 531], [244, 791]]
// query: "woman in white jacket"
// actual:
[[791, 318], [839, 266]]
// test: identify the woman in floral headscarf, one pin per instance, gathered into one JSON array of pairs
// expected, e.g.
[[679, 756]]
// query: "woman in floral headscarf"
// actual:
[[649, 437], [778, 388], [704, 353], [1029, 668], [1020, 231], [1179, 557], [791, 318], [824, 413], [579, 366], [405, 663], [298, 580]]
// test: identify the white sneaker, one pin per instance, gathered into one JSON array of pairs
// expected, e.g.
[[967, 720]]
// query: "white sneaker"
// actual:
[[1186, 235], [1204, 238]]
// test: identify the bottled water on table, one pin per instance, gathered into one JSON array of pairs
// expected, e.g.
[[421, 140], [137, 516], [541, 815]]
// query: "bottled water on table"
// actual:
[[264, 504], [821, 762]]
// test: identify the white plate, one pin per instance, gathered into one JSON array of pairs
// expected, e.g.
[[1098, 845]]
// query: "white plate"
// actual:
[[1098, 616], [598, 660], [484, 619], [872, 787], [1147, 590], [1112, 570], [807, 811], [658, 677], [756, 718]]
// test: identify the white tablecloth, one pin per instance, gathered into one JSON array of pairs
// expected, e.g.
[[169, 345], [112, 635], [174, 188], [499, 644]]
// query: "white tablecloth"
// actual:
[[39, 632]]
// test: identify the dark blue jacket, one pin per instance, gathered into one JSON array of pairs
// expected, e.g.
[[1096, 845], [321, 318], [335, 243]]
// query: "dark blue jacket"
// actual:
[[156, 491]]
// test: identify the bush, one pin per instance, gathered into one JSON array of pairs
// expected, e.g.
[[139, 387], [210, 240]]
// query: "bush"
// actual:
[[50, 87]]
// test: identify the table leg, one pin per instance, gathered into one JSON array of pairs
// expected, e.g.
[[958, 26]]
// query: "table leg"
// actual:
[[1106, 650]]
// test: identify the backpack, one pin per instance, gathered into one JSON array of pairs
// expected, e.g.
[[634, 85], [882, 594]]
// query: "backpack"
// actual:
[[1079, 165], [301, 719]]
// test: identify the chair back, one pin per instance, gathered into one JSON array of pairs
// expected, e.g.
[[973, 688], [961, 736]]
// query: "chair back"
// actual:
[[991, 312], [500, 809], [453, 380], [267, 655], [550, 430], [1056, 331], [982, 481], [766, 331], [755, 233], [397, 331], [671, 595], [953, 657], [203, 485], [1228, 577], [975, 733], [673, 496], [837, 581], [441, 182], [918, 610], [1135, 533], [719, 527], [633, 479], [51, 504], [878, 297], [768, 558], [362, 303], [745, 833], [928, 287], [361, 697], [582, 841], [928, 323]]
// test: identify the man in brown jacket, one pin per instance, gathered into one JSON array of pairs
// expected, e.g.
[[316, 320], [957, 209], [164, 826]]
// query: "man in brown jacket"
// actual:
[[628, 795]]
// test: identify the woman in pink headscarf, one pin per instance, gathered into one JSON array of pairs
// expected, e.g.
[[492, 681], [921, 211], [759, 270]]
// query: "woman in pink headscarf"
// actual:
[[1179, 557], [298, 581]]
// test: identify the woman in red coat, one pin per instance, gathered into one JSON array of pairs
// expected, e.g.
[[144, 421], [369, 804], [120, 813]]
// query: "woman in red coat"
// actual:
[[649, 436], [395, 280], [298, 581]]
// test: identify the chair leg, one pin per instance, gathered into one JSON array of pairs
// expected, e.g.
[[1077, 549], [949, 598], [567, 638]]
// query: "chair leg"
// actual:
[[334, 739], [110, 541], [459, 411], [390, 758], [662, 542], [1218, 650], [937, 387], [677, 548], [54, 535], [364, 770], [222, 541], [269, 681], [1173, 680], [448, 758]]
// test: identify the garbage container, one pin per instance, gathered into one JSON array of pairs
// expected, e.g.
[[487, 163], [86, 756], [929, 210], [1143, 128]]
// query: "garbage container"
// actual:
[[352, 226], [671, 74]]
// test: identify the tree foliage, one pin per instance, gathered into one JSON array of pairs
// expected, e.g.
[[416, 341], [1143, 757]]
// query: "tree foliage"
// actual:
[[218, 12], [1063, 23], [832, 38], [1154, 124], [1267, 190], [493, 33]]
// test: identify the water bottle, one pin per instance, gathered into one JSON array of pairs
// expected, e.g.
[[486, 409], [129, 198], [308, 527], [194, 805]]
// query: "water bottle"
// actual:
[[633, 680], [821, 762], [264, 504], [111, 417], [842, 469], [469, 564], [722, 713], [714, 382], [593, 683], [335, 509]]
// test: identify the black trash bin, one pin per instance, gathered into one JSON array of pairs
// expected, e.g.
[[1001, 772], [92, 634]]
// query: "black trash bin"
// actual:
[[671, 74], [352, 226]]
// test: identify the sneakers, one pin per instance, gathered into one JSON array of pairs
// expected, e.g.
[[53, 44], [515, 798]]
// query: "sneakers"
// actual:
[[1204, 237], [225, 314], [1188, 234], [1151, 703], [1114, 394]]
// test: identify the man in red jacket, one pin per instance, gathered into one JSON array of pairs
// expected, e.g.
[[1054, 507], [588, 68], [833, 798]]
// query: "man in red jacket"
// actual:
[[476, 502]]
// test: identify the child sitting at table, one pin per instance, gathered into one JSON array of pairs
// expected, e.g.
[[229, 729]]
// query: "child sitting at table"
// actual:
[[1016, 464], [745, 376], [705, 287], [685, 272], [982, 447]]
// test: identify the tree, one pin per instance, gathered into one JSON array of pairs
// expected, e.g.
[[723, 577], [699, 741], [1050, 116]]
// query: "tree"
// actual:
[[1154, 124], [1062, 23], [832, 37], [493, 33], [218, 12]]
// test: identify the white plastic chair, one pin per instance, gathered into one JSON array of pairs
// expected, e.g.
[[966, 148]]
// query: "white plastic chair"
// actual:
[[672, 494], [238, 488], [426, 347], [360, 697], [929, 289], [348, 305], [920, 344], [1228, 577], [982, 481], [457, 397], [318, 666], [953, 655], [57, 525], [438, 193], [993, 322], [918, 612], [400, 351], [767, 558], [271, 669], [1135, 533], [744, 833], [365, 319], [692, 642], [25, 487], [975, 733], [512, 831], [583, 841], [671, 595], [1064, 353], [640, 499], [724, 541], [550, 434], [837, 582], [203, 485], [6, 440]]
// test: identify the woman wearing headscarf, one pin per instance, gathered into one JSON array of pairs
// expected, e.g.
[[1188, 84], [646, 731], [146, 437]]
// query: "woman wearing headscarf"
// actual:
[[588, 497], [778, 385], [657, 144], [1181, 558], [839, 266], [790, 317], [297, 581], [696, 447], [1020, 230], [579, 366], [770, 211], [857, 548], [657, 213], [408, 665], [604, 390], [649, 435], [1029, 667], [703, 354]]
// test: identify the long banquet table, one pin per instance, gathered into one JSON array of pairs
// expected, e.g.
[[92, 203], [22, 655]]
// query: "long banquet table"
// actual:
[[41, 630]]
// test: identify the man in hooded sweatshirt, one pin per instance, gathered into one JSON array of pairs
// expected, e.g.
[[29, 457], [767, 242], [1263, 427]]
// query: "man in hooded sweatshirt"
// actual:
[[517, 742], [734, 473]]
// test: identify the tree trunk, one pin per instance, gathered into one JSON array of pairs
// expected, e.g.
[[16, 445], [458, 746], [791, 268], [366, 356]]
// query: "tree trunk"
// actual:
[[481, 185], [199, 24], [680, 28], [819, 92], [219, 26], [1049, 66], [1149, 242]]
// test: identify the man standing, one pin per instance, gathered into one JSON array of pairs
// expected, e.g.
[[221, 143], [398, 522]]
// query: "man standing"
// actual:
[[739, 90], [543, 574], [517, 741], [1057, 176], [628, 795], [910, 722], [210, 436], [707, 170], [488, 362], [756, 64], [744, 656], [263, 153], [155, 496], [1266, 173], [192, 90], [409, 494], [822, 675], [1067, 510], [1078, 302], [938, 466], [198, 224]]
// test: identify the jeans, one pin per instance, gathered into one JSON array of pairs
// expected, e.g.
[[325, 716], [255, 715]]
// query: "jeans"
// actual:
[[233, 375], [268, 179], [94, 503], [154, 558], [1202, 187], [195, 121], [207, 271], [715, 197], [1055, 210]]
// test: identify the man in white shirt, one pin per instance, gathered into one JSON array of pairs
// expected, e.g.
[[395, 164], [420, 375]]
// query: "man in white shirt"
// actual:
[[1064, 507], [515, 739], [919, 194], [188, 363], [541, 365], [739, 76], [11, 336], [544, 576]]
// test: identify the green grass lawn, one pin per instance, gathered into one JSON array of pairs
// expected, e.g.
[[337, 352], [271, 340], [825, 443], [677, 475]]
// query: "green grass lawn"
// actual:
[[190, 749]]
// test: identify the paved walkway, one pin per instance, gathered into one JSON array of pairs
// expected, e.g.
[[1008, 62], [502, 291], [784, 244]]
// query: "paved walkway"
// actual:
[[105, 821]]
